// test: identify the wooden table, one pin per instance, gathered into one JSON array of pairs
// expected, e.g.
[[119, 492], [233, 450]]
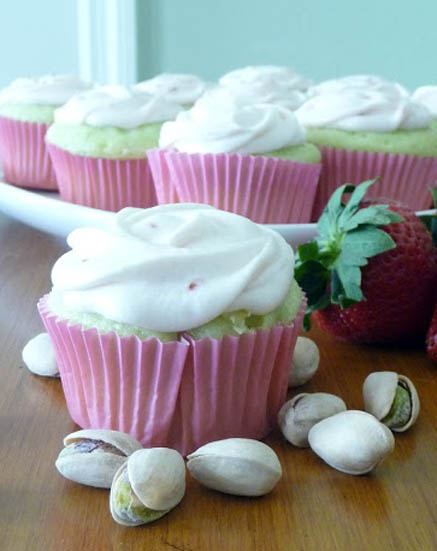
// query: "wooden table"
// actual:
[[314, 507]]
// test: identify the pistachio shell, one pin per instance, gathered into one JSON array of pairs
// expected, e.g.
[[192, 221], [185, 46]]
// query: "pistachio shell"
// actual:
[[352, 441], [301, 413], [379, 391], [147, 486], [238, 466], [305, 362], [39, 356], [93, 456]]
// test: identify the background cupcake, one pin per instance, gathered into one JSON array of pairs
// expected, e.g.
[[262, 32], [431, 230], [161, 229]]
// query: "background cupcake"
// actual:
[[27, 108], [98, 146], [180, 88], [372, 132], [427, 96], [268, 84], [177, 325], [251, 159]]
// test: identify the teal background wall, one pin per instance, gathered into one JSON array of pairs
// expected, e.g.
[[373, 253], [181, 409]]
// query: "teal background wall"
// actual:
[[37, 37], [396, 39]]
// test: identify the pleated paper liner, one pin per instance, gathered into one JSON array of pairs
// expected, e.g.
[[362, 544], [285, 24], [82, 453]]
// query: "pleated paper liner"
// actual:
[[176, 394], [24, 156], [107, 184], [165, 190], [265, 189], [405, 178]]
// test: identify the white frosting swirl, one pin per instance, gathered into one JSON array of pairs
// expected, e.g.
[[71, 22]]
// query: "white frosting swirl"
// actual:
[[176, 87], [174, 267], [116, 106], [268, 84], [427, 96], [45, 90], [365, 110], [366, 82], [222, 122]]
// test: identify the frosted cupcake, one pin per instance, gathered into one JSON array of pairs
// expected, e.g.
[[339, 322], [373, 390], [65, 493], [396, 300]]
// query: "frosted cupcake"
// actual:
[[176, 324], [180, 88], [246, 158], [27, 108], [366, 82], [98, 145], [427, 96], [372, 133], [268, 84]]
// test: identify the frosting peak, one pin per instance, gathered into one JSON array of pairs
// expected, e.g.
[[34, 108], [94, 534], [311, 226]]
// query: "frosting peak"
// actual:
[[223, 122], [45, 90], [116, 106], [174, 267], [176, 87], [427, 96]]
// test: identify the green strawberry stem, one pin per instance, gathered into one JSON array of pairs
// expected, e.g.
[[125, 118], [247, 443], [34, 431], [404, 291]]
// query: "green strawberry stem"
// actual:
[[328, 269], [430, 221]]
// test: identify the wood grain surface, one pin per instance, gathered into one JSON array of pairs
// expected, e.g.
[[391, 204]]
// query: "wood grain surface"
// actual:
[[314, 507]]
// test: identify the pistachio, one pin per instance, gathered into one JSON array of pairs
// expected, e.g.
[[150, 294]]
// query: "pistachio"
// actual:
[[147, 486], [352, 441], [301, 413], [392, 399], [305, 362], [39, 356], [93, 456], [238, 466]]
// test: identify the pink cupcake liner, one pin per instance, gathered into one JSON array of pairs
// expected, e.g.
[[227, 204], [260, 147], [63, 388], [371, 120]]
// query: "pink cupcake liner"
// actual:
[[165, 190], [176, 394], [265, 189], [108, 184], [25, 159], [405, 178]]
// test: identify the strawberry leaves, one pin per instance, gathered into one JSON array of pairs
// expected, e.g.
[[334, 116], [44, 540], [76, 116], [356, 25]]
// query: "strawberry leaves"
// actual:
[[329, 268]]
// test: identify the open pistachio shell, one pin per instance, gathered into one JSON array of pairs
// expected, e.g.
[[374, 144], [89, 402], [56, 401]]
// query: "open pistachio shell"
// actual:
[[147, 486], [305, 362], [392, 399], [352, 441], [238, 466], [301, 413], [92, 456]]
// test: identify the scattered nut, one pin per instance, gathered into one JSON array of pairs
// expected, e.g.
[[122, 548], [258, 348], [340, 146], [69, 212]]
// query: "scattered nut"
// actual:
[[39, 356], [301, 413], [305, 362]]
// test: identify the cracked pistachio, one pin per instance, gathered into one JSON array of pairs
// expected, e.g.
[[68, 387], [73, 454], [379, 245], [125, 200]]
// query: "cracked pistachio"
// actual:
[[392, 399], [301, 413], [147, 486], [351, 441], [238, 466], [92, 456], [305, 362], [39, 356]]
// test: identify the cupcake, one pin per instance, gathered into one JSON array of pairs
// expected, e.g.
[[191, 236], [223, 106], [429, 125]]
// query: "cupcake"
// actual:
[[180, 88], [268, 84], [373, 132], [366, 82], [427, 96], [98, 145], [247, 158], [26, 110], [176, 324]]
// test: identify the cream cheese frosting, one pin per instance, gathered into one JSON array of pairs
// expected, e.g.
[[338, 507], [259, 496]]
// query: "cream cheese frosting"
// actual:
[[44, 90], [179, 88], [268, 84], [174, 267], [223, 122], [427, 96], [363, 110], [116, 106], [367, 82]]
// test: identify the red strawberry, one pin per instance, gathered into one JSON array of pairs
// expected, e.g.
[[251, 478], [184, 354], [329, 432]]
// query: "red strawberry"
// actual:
[[371, 273], [431, 336]]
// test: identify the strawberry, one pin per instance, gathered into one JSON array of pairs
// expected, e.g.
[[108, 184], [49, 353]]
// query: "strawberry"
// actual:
[[369, 276], [431, 336]]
